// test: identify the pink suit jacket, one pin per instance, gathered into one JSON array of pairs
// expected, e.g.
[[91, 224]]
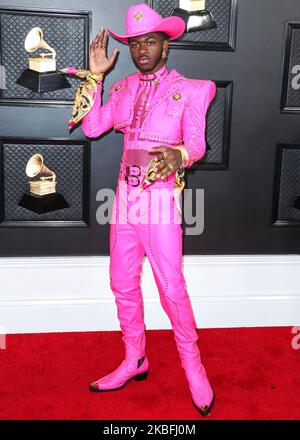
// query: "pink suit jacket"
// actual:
[[177, 115]]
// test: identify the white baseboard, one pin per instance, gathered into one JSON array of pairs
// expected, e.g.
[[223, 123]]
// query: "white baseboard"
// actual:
[[56, 294]]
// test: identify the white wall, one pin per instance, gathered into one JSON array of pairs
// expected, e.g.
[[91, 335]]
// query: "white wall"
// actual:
[[73, 293]]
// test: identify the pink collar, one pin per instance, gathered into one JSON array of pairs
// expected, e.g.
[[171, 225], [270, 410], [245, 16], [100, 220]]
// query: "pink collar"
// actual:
[[158, 75]]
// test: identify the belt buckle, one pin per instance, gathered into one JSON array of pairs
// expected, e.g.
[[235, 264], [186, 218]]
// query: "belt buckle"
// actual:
[[132, 178]]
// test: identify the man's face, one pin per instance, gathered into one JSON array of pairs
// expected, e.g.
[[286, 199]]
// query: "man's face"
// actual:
[[147, 50]]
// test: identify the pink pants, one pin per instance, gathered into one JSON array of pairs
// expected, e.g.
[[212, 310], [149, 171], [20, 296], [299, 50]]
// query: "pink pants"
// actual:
[[161, 242]]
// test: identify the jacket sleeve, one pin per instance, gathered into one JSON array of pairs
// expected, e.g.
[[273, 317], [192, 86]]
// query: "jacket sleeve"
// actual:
[[194, 122], [99, 119]]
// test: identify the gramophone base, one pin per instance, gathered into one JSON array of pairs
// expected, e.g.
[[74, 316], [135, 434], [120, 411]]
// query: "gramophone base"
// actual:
[[43, 81], [297, 203], [196, 20], [43, 204]]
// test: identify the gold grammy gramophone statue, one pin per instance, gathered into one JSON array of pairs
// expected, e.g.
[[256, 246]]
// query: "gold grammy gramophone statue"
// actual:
[[42, 196], [44, 184], [41, 75], [296, 203], [196, 17], [35, 40]]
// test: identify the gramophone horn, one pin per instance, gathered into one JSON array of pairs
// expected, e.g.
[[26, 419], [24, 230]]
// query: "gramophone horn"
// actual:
[[36, 166], [34, 40]]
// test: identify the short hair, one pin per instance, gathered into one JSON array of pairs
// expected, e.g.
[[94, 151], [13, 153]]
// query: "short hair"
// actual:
[[164, 36]]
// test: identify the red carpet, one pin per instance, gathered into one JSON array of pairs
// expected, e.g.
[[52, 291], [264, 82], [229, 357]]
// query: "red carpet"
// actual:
[[255, 373]]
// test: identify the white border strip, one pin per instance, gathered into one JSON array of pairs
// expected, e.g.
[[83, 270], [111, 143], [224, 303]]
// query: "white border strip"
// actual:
[[56, 294]]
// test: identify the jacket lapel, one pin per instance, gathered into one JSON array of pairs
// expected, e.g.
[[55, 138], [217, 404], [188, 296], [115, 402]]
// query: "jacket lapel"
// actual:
[[168, 86], [165, 88]]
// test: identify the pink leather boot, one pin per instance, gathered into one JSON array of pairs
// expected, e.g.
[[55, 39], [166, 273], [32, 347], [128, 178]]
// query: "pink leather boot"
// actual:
[[203, 395], [163, 245], [126, 255]]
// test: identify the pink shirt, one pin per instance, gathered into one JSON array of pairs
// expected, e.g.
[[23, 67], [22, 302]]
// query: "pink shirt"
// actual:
[[148, 84], [147, 87]]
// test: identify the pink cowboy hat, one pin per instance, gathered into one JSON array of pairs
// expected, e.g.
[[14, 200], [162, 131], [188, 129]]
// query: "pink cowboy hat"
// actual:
[[141, 19]]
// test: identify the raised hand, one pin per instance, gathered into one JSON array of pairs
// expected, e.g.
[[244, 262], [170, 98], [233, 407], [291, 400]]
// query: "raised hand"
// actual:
[[98, 61]]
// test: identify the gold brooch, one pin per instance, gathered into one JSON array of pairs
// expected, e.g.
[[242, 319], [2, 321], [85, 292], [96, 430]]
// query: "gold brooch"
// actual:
[[177, 96], [138, 16], [118, 87]]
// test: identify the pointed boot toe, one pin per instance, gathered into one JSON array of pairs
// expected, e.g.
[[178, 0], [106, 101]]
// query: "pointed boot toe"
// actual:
[[119, 378], [204, 410]]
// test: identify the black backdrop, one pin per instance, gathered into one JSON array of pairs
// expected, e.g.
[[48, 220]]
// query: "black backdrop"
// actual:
[[239, 200]]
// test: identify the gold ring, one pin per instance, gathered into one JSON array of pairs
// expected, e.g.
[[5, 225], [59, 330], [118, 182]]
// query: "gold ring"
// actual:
[[165, 154], [171, 166]]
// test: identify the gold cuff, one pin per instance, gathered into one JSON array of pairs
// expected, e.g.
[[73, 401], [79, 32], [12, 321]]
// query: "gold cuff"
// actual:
[[97, 76], [184, 154]]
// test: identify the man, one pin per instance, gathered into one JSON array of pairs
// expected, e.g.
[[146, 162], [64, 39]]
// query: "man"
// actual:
[[162, 115]]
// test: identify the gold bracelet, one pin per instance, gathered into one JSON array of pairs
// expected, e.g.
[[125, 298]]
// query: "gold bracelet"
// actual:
[[97, 76], [184, 154]]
